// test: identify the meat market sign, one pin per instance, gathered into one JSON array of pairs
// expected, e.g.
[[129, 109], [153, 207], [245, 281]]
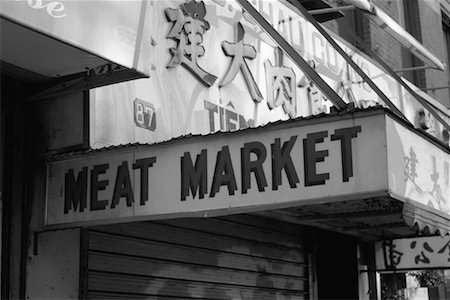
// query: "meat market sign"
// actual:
[[276, 166], [331, 158]]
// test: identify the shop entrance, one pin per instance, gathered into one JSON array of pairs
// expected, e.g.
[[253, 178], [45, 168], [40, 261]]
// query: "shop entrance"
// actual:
[[337, 274]]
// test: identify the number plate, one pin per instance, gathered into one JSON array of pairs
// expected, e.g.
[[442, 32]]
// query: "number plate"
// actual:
[[144, 115]]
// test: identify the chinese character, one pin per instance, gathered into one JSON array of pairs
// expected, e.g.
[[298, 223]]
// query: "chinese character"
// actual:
[[447, 245], [410, 166], [188, 29], [281, 85], [239, 51], [392, 257], [422, 257], [315, 96], [436, 192]]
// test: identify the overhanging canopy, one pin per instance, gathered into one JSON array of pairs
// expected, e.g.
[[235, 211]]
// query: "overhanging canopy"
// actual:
[[370, 219], [55, 43], [365, 172]]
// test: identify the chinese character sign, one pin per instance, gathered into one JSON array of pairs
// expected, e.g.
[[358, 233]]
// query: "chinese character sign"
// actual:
[[420, 169], [212, 68], [413, 253], [189, 25]]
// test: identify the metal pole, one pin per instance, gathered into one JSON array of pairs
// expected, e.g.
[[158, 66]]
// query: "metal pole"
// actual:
[[294, 55], [331, 10], [418, 68], [301, 10]]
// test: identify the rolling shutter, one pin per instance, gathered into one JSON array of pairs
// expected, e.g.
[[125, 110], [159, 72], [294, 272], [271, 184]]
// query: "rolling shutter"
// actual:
[[234, 257]]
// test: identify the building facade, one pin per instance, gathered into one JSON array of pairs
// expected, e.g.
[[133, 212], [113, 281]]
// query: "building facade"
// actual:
[[223, 149]]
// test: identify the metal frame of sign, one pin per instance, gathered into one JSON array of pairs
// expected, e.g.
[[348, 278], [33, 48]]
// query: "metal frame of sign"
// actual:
[[301, 63], [106, 74], [294, 55], [391, 72]]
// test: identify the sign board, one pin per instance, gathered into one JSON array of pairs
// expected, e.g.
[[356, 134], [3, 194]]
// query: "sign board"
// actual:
[[109, 29], [413, 253], [419, 168], [234, 78], [264, 168]]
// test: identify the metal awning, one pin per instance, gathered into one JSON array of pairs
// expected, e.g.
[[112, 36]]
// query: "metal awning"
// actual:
[[73, 45], [43, 60], [369, 219], [364, 172]]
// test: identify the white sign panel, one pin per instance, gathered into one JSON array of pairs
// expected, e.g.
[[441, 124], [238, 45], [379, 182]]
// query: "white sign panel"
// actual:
[[214, 69], [413, 253], [109, 29], [419, 169], [277, 166]]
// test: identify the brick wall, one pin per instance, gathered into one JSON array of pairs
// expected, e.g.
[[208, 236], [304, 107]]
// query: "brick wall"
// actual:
[[429, 31], [382, 43], [433, 40]]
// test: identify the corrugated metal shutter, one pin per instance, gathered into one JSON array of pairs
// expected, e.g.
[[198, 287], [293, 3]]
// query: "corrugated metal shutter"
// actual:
[[234, 257]]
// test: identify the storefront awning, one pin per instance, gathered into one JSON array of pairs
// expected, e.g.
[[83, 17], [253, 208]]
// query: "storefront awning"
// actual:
[[369, 219], [364, 172], [61, 43]]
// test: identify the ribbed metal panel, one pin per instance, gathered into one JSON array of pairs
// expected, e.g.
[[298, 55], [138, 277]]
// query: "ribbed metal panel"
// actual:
[[235, 257]]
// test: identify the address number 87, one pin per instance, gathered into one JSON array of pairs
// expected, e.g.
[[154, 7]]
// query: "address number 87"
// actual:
[[144, 115]]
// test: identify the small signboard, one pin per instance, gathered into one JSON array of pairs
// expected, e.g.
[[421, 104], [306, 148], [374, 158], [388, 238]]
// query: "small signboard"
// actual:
[[413, 253]]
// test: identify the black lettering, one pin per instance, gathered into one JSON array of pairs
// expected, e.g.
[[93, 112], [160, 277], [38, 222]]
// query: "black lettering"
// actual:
[[122, 186], [345, 135], [281, 159], [144, 164], [255, 166], [194, 178], [75, 191], [311, 157], [223, 173], [98, 185]]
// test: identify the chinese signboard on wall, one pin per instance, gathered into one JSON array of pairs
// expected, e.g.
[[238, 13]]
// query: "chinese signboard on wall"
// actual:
[[214, 69], [413, 253], [419, 168]]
